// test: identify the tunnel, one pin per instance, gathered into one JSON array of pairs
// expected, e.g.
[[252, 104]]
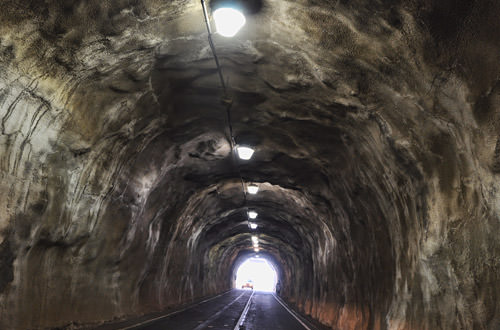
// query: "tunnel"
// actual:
[[375, 127]]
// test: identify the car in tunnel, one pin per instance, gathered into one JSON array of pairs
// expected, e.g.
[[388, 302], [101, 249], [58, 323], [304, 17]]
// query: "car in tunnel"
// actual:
[[247, 285]]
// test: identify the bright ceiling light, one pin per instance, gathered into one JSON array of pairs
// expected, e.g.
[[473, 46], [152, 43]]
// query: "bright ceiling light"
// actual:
[[256, 249], [252, 214], [255, 245], [252, 189], [245, 153], [255, 239], [228, 21], [253, 225]]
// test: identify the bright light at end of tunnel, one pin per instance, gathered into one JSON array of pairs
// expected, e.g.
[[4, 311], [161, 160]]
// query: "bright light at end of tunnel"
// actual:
[[228, 21], [253, 225], [245, 153], [253, 189], [252, 214], [259, 271]]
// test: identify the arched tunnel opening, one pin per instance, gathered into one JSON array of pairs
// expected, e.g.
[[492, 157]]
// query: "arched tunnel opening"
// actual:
[[256, 272], [372, 190]]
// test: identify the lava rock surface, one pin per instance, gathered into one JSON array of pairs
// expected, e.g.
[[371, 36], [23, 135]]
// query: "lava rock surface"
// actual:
[[376, 127]]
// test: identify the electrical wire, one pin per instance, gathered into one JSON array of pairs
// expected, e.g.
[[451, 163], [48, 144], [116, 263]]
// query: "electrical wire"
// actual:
[[228, 103]]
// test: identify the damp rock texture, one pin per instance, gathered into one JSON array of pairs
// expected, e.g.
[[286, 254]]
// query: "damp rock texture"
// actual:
[[376, 127]]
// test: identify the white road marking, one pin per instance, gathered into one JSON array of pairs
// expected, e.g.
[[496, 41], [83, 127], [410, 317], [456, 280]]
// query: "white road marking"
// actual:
[[244, 313], [290, 311], [173, 313], [216, 315]]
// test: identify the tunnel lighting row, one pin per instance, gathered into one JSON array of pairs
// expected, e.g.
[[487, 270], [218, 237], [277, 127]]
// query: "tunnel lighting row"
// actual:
[[255, 241], [228, 21], [246, 153]]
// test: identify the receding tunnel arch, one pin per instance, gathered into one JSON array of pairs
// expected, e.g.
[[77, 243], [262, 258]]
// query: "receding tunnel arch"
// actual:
[[285, 234], [292, 220]]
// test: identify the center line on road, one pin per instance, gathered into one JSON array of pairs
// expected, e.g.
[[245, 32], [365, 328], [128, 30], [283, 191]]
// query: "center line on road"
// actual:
[[207, 322], [244, 313]]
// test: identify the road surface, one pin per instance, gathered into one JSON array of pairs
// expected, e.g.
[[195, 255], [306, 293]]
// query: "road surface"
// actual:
[[235, 310]]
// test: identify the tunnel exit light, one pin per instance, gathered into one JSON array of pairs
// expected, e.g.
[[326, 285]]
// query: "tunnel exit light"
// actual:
[[244, 153], [252, 214], [228, 21], [253, 225], [260, 271]]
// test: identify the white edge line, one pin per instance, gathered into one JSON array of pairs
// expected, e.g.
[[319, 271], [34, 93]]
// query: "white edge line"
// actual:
[[244, 313], [216, 315], [291, 312], [172, 313]]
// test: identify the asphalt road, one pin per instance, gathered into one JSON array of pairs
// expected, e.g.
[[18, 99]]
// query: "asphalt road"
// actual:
[[257, 311], [267, 313]]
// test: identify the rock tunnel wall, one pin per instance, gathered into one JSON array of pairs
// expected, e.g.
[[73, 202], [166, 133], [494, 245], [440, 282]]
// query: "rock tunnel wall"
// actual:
[[376, 132]]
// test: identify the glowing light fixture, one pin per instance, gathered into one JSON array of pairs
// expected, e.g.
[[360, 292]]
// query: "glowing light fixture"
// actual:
[[255, 239], [252, 189], [253, 225], [228, 21], [245, 153], [256, 249], [255, 245], [252, 214]]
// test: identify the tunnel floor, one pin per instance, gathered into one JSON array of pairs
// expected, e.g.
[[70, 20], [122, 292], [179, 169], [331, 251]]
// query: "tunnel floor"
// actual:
[[236, 309], [266, 312]]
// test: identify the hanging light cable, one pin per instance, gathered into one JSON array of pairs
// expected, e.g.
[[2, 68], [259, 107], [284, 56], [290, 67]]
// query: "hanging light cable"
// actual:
[[227, 101]]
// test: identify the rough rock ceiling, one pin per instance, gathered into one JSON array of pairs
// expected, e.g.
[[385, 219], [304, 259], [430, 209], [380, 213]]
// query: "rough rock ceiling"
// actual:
[[375, 125]]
